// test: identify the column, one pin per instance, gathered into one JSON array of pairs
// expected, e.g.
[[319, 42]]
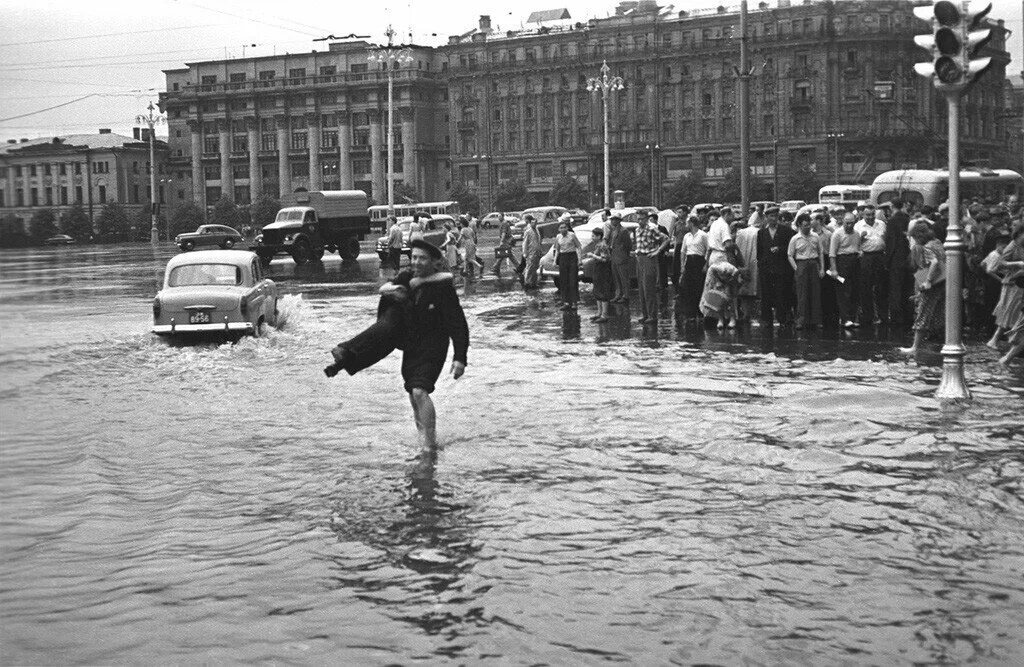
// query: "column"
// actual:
[[345, 150], [316, 174], [284, 176], [226, 185], [255, 177], [409, 146], [198, 176], [377, 167]]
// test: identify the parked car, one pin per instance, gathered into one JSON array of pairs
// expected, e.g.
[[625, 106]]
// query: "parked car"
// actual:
[[547, 222], [491, 219], [434, 234], [215, 291], [59, 239], [579, 216], [631, 218], [699, 209], [792, 205], [220, 236]]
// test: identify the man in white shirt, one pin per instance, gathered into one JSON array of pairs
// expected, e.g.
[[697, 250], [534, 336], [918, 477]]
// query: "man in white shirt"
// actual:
[[719, 237], [873, 281]]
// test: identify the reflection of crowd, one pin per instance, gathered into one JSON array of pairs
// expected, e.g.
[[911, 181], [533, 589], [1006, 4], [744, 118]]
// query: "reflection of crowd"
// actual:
[[832, 268]]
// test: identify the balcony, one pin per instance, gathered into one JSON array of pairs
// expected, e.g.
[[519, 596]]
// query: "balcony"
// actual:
[[296, 83], [466, 125], [801, 103]]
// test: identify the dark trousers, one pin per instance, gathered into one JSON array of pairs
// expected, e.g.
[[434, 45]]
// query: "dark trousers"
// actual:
[[664, 265], [569, 276], [873, 286], [647, 283], [692, 285], [776, 297], [676, 270], [846, 293], [620, 278], [395, 258], [808, 293], [379, 339], [900, 282]]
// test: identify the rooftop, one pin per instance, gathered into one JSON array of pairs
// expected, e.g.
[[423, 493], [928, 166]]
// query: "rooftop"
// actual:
[[101, 140]]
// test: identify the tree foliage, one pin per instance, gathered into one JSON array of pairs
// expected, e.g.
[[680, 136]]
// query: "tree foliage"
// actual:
[[512, 196], [636, 187], [42, 225], [142, 223], [226, 212], [112, 223], [803, 183], [12, 232], [570, 193], [468, 200], [75, 223], [264, 210], [405, 194], [186, 218], [688, 189]]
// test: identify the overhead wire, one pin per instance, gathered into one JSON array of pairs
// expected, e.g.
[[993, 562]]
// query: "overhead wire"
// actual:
[[111, 34], [55, 106]]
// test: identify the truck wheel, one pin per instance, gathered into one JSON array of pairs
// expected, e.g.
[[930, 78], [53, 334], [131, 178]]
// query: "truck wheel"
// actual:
[[349, 249], [316, 254], [301, 253], [187, 245]]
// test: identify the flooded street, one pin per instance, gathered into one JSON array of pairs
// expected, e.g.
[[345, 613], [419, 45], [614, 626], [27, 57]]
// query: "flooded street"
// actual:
[[677, 496]]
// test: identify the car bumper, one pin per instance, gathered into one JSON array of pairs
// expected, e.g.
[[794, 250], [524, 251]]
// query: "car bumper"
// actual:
[[213, 327]]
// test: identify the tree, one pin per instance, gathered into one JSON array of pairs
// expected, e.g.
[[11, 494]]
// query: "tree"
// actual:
[[142, 223], [186, 218], [75, 223], [512, 196], [42, 225], [405, 194], [636, 187], [803, 183], [12, 232], [264, 210], [688, 189], [570, 193], [225, 212], [469, 202], [113, 223]]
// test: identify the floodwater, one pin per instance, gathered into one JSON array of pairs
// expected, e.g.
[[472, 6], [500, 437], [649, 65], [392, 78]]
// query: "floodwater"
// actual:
[[603, 494]]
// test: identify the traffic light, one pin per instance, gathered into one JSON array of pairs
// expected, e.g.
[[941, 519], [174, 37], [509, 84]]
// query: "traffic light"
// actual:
[[954, 43]]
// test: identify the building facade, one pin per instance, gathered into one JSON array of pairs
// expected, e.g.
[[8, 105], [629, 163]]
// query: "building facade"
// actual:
[[86, 169], [833, 91], [241, 128]]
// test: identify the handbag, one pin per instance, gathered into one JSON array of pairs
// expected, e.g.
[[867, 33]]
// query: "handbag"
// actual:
[[503, 252]]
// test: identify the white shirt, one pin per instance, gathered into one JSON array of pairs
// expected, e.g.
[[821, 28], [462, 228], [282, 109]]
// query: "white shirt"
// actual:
[[696, 244], [875, 238], [718, 235]]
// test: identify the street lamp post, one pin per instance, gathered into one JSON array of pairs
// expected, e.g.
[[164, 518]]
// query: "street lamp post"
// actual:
[[654, 195], [151, 121], [604, 85], [487, 167], [391, 56], [836, 136]]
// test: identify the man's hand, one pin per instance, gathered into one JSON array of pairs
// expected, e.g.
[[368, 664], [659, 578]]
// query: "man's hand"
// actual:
[[458, 368]]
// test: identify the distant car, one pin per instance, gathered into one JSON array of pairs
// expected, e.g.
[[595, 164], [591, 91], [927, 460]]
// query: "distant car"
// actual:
[[491, 219], [792, 205], [547, 222], [59, 239], [700, 209], [220, 236], [434, 234], [215, 291], [579, 216], [631, 218]]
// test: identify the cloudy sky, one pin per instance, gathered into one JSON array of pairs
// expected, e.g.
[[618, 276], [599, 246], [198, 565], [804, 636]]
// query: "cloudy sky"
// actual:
[[102, 60]]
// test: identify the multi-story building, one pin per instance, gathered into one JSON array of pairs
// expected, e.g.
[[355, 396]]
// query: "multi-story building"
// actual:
[[833, 90], [86, 169], [311, 121]]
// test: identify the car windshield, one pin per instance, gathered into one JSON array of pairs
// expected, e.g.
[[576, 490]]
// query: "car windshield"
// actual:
[[289, 215], [205, 274]]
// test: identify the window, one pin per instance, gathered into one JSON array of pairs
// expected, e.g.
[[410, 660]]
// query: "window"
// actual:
[[539, 172], [268, 142], [360, 166], [240, 143], [64, 196], [763, 163], [266, 78], [32, 170], [240, 171], [78, 195], [20, 197], [211, 144], [134, 197], [103, 194], [358, 67], [469, 174], [329, 139], [211, 172], [17, 170], [300, 169], [717, 164], [297, 74], [49, 196], [46, 170], [300, 141]]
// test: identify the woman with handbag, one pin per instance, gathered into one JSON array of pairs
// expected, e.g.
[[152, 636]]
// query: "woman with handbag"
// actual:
[[928, 259]]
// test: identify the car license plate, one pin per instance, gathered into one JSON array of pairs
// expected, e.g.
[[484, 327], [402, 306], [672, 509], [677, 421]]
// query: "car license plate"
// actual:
[[199, 317]]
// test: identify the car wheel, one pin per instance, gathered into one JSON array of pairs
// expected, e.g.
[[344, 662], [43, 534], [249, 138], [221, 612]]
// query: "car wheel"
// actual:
[[187, 245], [229, 243], [349, 249], [317, 254]]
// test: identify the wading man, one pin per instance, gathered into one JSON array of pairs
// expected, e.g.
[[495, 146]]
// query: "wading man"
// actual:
[[426, 316]]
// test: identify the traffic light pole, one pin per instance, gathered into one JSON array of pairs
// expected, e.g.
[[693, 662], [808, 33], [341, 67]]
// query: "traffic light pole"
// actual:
[[953, 386]]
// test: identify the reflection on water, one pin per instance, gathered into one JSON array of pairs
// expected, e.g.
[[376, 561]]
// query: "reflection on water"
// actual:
[[605, 491]]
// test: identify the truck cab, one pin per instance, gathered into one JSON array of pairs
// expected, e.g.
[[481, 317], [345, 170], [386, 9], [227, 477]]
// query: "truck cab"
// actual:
[[313, 222]]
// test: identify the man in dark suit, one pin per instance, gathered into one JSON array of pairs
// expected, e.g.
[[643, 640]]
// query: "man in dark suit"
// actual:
[[897, 253], [774, 271], [620, 243]]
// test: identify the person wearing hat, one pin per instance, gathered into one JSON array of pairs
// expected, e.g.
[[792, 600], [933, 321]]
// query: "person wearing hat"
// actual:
[[774, 271], [531, 252], [676, 231], [419, 313], [844, 259], [897, 256], [620, 247], [872, 282]]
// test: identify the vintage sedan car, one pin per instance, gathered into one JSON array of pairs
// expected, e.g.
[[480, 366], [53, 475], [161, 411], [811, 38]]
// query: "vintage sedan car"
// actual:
[[547, 222], [59, 239], [631, 217], [215, 291], [220, 236], [492, 219]]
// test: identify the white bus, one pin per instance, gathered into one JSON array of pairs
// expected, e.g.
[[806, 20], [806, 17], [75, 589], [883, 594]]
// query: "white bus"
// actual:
[[846, 196], [379, 213], [930, 187]]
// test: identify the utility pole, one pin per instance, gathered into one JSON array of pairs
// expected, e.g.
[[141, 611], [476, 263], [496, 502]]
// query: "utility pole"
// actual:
[[151, 121], [744, 77], [390, 57], [654, 191]]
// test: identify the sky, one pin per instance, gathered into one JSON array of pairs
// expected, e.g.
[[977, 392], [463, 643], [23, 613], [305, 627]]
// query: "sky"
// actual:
[[102, 61]]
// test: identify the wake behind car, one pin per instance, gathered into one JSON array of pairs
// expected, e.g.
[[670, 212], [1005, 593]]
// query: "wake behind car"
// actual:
[[219, 236], [215, 291]]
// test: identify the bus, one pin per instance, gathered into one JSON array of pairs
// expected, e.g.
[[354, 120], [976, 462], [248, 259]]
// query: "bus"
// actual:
[[846, 196], [379, 213], [930, 187]]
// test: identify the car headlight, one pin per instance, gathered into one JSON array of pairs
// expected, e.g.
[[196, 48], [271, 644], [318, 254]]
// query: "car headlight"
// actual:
[[259, 238], [289, 237]]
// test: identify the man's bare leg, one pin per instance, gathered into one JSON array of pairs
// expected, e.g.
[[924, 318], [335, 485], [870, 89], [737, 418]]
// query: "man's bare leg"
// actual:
[[426, 418]]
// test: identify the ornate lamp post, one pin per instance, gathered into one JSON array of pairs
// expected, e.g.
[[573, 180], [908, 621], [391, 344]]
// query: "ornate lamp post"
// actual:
[[654, 192], [151, 121], [604, 85], [391, 57]]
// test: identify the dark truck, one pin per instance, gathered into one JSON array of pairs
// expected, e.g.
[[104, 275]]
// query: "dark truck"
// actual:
[[311, 222]]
